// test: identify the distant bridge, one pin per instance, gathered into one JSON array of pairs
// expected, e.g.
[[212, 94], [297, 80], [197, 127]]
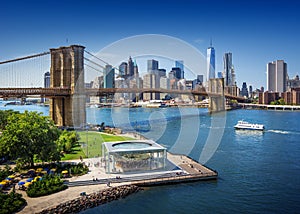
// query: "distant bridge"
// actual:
[[64, 92], [67, 90]]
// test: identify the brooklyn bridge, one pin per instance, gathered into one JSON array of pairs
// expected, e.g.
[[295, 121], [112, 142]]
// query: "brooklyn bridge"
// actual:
[[67, 91]]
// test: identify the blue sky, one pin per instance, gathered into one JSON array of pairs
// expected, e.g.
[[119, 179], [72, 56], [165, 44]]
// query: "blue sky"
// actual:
[[256, 32]]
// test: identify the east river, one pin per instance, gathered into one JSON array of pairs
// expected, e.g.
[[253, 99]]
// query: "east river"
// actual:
[[259, 172]]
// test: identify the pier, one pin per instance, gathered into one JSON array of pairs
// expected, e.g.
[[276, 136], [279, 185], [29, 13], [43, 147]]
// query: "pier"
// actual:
[[269, 107], [186, 170], [192, 171]]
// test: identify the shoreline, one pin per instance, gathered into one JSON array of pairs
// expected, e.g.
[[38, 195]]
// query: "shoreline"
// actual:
[[95, 199], [191, 171]]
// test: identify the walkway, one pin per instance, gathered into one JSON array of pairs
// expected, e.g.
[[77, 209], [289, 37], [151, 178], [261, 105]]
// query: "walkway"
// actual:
[[181, 169]]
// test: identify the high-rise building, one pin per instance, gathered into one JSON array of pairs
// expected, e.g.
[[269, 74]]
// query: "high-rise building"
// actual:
[[220, 74], [165, 84], [162, 72], [244, 91], [277, 76], [130, 67], [176, 73], [47, 80], [250, 91], [109, 77], [152, 66], [135, 70], [293, 83], [179, 64], [229, 76], [123, 69], [151, 81], [46, 84], [210, 62]]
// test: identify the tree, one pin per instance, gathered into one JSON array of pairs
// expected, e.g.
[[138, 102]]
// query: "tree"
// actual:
[[30, 135], [4, 116], [66, 141]]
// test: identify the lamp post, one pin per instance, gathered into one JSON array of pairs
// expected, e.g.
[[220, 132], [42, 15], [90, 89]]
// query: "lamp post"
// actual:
[[87, 144]]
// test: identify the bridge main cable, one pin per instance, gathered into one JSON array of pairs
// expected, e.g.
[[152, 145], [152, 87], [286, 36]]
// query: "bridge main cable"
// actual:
[[26, 57]]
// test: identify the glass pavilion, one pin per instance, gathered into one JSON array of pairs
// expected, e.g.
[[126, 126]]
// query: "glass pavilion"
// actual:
[[133, 155]]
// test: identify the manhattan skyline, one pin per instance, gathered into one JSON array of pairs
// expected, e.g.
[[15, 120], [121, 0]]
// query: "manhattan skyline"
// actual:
[[255, 32]]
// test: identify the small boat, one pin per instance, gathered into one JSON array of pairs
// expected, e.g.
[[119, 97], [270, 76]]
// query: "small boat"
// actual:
[[249, 126]]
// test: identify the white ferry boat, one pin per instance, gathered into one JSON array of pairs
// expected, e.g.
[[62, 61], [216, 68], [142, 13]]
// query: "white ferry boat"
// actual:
[[249, 126]]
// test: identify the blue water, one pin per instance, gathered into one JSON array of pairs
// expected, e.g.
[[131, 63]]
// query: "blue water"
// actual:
[[258, 172]]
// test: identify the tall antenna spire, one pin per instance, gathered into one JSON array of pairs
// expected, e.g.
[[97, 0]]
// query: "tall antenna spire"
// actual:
[[210, 42]]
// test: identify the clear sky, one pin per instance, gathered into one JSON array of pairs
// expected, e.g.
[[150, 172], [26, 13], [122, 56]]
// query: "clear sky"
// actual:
[[254, 31]]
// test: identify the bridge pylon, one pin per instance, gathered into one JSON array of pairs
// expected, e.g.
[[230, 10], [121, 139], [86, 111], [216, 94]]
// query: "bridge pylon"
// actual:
[[216, 103], [67, 71]]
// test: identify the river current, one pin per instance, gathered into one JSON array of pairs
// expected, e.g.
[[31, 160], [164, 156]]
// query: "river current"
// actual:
[[259, 172]]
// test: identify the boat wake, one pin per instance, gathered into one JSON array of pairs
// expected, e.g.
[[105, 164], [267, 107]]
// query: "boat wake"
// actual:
[[279, 131]]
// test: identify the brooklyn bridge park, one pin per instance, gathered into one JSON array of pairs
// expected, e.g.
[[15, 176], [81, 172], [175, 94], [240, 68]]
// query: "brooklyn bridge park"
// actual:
[[36, 156]]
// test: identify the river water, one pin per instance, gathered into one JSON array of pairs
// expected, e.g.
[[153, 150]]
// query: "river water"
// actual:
[[259, 172]]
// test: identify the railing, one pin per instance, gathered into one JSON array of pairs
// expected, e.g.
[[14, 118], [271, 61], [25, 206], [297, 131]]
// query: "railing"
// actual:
[[21, 92], [176, 179], [59, 91]]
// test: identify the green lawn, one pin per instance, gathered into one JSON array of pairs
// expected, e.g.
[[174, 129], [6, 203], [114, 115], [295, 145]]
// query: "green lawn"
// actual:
[[94, 141]]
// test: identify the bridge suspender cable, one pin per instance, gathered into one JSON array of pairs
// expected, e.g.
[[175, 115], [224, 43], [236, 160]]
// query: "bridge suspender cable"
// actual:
[[97, 63], [94, 63], [26, 57], [96, 57]]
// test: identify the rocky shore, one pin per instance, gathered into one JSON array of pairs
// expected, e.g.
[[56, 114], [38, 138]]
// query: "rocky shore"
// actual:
[[92, 200]]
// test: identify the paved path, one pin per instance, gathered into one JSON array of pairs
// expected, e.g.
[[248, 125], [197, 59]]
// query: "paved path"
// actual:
[[86, 184]]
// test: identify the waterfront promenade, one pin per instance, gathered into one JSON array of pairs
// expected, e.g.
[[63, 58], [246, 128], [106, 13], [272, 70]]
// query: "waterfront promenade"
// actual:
[[269, 107], [186, 170]]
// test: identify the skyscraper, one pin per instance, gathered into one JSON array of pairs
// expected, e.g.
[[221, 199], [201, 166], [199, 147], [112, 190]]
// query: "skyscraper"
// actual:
[[228, 70], [244, 91], [135, 70], [123, 69], [46, 84], [276, 76], [210, 62], [179, 64], [47, 80], [130, 67], [152, 66], [109, 77]]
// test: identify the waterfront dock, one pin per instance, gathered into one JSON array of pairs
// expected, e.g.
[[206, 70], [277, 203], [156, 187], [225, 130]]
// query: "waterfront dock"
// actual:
[[186, 170], [269, 107], [191, 171]]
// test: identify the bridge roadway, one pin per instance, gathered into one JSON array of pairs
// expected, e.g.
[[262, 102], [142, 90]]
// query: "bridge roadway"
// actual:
[[58, 91]]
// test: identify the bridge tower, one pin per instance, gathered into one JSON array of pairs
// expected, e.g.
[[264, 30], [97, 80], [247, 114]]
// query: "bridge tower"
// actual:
[[67, 71], [216, 103]]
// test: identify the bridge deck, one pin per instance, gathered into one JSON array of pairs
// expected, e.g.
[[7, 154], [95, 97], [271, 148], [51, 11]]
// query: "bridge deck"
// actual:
[[57, 91]]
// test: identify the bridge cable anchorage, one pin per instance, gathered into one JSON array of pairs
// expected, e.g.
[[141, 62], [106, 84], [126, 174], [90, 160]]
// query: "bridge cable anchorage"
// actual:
[[23, 58], [100, 60]]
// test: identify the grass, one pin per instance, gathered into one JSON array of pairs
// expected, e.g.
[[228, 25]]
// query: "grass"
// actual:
[[75, 154], [92, 143]]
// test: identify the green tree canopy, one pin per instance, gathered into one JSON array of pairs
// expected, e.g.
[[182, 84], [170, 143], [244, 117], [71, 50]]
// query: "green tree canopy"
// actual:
[[30, 135], [4, 117], [66, 141]]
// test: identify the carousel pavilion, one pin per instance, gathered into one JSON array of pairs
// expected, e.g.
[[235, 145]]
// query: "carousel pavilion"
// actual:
[[133, 155]]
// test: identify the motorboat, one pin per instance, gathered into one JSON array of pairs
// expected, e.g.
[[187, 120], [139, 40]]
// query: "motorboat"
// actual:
[[249, 126]]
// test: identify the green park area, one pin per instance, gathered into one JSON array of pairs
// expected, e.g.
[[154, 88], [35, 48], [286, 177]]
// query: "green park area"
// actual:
[[34, 150], [90, 144]]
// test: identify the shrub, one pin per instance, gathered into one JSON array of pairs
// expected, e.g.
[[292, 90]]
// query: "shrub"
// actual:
[[11, 203], [48, 185], [79, 169]]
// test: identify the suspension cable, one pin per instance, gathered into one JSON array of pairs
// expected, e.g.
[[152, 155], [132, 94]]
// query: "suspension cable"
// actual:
[[100, 60], [26, 57]]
